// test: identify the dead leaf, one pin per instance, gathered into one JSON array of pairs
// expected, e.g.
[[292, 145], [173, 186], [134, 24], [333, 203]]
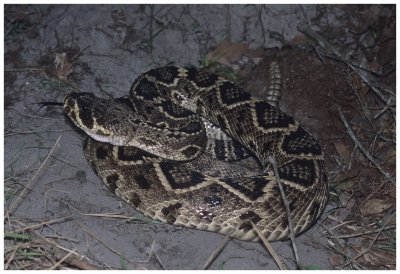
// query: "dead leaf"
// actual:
[[336, 260], [377, 256], [63, 66], [343, 151], [375, 206], [235, 55], [347, 186], [389, 156]]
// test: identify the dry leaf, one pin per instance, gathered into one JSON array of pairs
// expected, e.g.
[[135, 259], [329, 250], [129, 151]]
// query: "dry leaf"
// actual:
[[347, 186], [375, 206], [377, 256], [298, 40], [344, 152], [336, 260], [235, 55], [63, 66], [389, 156]]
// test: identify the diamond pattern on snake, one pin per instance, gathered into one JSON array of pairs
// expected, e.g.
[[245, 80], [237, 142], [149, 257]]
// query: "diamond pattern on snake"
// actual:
[[170, 149]]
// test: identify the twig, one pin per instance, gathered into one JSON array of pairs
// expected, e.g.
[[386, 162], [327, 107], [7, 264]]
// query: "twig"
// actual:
[[10, 259], [327, 46], [61, 260], [77, 260], [102, 242], [373, 192], [13, 132], [152, 247], [271, 159], [364, 150], [159, 261], [151, 252], [56, 244], [357, 234], [80, 51], [107, 215], [59, 220], [339, 225], [216, 252], [373, 241], [16, 203], [388, 105], [332, 247], [23, 69], [269, 247]]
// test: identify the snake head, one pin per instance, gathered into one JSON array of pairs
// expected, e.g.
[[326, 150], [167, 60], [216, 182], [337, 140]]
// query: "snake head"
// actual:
[[98, 117], [118, 122], [77, 107]]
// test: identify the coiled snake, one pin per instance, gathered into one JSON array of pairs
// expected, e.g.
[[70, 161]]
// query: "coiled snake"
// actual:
[[150, 149]]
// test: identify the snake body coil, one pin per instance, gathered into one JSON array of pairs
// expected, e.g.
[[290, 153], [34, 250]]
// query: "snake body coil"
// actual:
[[148, 148]]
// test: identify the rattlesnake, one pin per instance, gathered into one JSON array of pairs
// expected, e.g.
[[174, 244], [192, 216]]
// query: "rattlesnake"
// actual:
[[144, 146]]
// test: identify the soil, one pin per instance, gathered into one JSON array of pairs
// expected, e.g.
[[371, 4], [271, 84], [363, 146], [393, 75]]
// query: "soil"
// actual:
[[52, 50]]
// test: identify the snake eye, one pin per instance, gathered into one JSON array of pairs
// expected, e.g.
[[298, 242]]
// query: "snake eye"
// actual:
[[71, 102]]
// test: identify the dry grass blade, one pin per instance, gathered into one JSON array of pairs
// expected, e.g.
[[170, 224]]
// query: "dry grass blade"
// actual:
[[16, 203], [216, 252], [107, 215], [269, 247], [61, 260], [102, 242], [373, 241], [59, 220], [59, 252]]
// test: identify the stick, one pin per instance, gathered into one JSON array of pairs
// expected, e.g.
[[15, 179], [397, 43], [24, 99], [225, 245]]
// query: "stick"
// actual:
[[286, 203], [216, 252], [364, 150], [357, 234], [269, 247]]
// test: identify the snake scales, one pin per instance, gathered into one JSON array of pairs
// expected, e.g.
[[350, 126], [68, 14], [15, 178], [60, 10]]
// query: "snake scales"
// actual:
[[145, 147]]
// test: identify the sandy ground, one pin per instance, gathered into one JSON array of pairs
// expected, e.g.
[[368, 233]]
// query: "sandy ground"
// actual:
[[110, 46]]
